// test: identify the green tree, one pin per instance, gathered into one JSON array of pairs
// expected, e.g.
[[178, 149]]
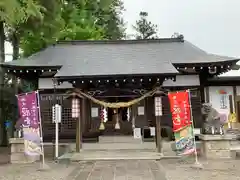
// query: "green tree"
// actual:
[[64, 20], [12, 13], [109, 15], [79, 22], [145, 29], [75, 20], [37, 36]]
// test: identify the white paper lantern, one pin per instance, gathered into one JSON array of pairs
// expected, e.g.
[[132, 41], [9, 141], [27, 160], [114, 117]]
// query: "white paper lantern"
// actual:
[[75, 108]]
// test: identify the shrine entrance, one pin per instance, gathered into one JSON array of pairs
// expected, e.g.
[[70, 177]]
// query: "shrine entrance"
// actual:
[[118, 122]]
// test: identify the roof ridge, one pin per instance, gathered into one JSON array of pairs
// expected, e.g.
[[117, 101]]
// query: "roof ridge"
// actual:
[[160, 40]]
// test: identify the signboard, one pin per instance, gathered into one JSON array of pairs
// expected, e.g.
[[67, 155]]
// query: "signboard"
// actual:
[[141, 110], [56, 113], [152, 131], [30, 122], [137, 133], [94, 112]]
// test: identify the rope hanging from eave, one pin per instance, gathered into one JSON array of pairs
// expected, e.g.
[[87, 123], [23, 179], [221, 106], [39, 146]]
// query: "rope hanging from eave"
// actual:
[[77, 92], [117, 104]]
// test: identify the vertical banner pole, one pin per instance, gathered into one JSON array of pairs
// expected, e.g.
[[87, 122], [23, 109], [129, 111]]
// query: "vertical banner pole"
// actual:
[[56, 135], [41, 128], [56, 119], [194, 141]]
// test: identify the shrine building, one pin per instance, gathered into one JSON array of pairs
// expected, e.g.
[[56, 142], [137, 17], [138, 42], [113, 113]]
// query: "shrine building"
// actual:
[[117, 71]]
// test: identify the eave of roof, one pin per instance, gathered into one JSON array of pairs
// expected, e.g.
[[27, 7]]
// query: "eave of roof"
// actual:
[[224, 78], [77, 57]]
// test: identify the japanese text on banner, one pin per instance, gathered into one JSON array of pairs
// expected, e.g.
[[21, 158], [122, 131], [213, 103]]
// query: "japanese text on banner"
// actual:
[[28, 110], [30, 121], [180, 109]]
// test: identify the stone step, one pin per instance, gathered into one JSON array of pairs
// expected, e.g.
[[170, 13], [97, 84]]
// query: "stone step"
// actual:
[[114, 155], [120, 151], [118, 139], [118, 146]]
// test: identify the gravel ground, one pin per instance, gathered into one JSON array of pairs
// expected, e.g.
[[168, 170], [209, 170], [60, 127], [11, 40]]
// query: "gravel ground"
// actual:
[[34, 172], [168, 169], [214, 169]]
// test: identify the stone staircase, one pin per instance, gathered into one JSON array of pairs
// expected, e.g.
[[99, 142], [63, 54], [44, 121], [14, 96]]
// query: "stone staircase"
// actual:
[[120, 148]]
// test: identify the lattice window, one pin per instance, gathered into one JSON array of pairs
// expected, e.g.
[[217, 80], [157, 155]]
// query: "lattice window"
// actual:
[[67, 126]]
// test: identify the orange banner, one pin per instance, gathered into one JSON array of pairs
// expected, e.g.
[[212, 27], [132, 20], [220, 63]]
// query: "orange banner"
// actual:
[[180, 109]]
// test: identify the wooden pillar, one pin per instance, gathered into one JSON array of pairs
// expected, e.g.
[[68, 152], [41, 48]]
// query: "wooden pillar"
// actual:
[[145, 112], [84, 115], [203, 79], [207, 98], [89, 116], [158, 135], [158, 115], [235, 101], [230, 97], [78, 129]]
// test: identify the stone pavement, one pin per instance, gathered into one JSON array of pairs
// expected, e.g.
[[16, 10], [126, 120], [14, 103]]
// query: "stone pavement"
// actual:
[[213, 170], [31, 171], [168, 169], [118, 170]]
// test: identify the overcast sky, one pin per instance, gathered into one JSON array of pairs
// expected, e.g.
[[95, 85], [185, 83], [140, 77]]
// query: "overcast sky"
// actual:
[[212, 25]]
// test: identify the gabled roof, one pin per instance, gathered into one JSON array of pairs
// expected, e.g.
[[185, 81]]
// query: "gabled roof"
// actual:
[[122, 57]]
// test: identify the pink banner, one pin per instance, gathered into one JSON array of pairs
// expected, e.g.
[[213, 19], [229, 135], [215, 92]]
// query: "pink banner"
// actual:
[[30, 122], [28, 109]]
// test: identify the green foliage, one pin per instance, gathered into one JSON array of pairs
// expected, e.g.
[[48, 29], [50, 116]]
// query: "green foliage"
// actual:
[[145, 29], [73, 20], [109, 15], [9, 100], [14, 12], [79, 24], [37, 35]]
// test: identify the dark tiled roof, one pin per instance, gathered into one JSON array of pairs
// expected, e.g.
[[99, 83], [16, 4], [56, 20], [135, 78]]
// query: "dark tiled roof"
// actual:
[[87, 58]]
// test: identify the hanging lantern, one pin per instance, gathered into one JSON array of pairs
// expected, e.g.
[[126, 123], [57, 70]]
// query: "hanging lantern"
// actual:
[[102, 127], [75, 108]]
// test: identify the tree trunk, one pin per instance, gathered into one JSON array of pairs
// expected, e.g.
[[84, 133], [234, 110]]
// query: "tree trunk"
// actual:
[[3, 133], [15, 44], [15, 56]]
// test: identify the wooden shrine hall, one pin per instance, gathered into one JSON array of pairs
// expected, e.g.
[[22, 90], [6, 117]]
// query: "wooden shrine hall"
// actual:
[[117, 71]]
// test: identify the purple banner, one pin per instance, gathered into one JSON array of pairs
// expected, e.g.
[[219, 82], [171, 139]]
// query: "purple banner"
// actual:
[[30, 122], [28, 110]]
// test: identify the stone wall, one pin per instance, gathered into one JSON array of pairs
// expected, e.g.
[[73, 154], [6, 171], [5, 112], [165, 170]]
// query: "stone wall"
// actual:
[[17, 152], [217, 146]]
